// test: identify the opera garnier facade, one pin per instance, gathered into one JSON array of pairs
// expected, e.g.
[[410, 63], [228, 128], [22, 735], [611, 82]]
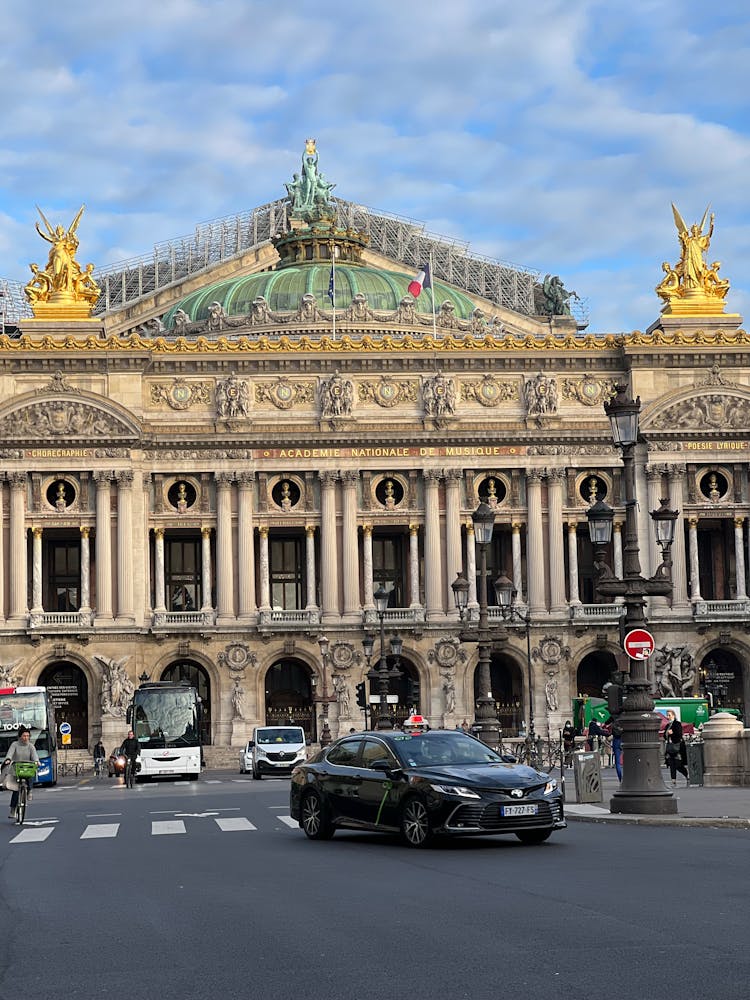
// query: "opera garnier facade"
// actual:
[[277, 430]]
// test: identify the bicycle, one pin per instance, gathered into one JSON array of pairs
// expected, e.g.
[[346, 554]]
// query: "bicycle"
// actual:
[[131, 769], [99, 767], [25, 771]]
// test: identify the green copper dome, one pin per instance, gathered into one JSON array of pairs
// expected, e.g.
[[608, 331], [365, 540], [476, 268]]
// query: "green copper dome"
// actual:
[[283, 289]]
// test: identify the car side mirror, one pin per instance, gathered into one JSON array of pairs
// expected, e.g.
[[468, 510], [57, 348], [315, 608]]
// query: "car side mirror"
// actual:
[[386, 767], [250, 744]]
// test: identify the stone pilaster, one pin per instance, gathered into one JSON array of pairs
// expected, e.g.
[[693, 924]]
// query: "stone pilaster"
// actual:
[[414, 595], [555, 540], [36, 571], [535, 541], [573, 562], [264, 568], [206, 582], [329, 562], [312, 604], [515, 539], [352, 607], [454, 560], [85, 603], [125, 611], [224, 553], [695, 573], [246, 546], [160, 606], [367, 569]]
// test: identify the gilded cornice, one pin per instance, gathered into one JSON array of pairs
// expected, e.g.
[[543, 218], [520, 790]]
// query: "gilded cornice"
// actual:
[[686, 338], [325, 344]]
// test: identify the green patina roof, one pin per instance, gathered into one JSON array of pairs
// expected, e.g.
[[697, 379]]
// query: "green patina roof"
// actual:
[[283, 289]]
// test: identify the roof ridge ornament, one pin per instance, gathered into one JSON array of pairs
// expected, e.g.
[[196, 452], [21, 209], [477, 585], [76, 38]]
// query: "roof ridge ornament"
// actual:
[[693, 287], [310, 192]]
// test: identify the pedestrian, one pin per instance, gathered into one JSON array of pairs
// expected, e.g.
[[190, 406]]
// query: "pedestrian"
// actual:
[[569, 742], [465, 726], [594, 735], [616, 731], [100, 755], [675, 751], [21, 749]]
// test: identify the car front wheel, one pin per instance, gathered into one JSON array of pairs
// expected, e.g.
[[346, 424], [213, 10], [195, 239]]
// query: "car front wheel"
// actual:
[[314, 818], [415, 823], [533, 836]]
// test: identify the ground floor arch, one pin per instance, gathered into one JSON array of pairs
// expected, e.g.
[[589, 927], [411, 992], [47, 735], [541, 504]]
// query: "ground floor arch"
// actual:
[[188, 671], [594, 671], [289, 692], [507, 688], [68, 689], [722, 680]]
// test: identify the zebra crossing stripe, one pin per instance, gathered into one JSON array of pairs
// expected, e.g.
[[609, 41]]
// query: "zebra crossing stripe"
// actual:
[[289, 821], [232, 823], [33, 836], [94, 831], [161, 827]]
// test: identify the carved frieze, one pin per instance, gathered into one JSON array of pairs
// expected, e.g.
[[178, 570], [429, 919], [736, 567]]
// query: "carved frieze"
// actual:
[[58, 383], [489, 391], [540, 395], [62, 418], [285, 394], [237, 657], [180, 394], [710, 411], [232, 398], [336, 396], [388, 391], [439, 396]]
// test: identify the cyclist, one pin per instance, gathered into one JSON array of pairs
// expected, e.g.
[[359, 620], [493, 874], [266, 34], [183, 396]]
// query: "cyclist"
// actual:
[[130, 750], [100, 755], [20, 749]]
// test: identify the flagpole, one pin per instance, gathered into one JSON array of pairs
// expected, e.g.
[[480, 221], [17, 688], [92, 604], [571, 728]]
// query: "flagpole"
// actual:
[[432, 295], [332, 247]]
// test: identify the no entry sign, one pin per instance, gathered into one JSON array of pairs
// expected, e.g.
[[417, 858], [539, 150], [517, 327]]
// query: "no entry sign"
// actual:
[[638, 644]]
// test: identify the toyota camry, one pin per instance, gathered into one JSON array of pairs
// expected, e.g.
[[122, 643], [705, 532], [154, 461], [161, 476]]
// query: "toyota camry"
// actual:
[[423, 784]]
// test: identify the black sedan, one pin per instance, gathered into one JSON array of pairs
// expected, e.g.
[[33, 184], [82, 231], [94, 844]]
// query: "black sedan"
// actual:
[[422, 785], [116, 763]]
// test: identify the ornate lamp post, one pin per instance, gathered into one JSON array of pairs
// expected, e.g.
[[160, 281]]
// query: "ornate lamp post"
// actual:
[[324, 698], [642, 789], [383, 675], [506, 598], [486, 726]]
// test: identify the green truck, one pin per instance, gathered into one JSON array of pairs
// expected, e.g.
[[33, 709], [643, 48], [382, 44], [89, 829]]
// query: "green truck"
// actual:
[[690, 711]]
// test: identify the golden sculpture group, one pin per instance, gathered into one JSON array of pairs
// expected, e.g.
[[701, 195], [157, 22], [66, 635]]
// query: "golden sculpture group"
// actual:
[[692, 287], [62, 290]]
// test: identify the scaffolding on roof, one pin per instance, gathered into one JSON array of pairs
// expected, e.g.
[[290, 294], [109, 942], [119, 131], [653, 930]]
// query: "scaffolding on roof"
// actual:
[[212, 243]]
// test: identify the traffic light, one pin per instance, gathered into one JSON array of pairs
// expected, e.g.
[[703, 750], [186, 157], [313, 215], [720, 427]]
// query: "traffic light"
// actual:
[[413, 692], [361, 699], [613, 694]]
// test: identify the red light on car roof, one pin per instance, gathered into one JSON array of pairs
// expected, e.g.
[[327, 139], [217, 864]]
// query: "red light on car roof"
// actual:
[[7, 690]]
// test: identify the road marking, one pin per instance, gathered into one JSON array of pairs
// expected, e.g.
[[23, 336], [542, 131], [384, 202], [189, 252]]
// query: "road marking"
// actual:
[[234, 823], [161, 827], [40, 822], [198, 815], [289, 821], [212, 781], [95, 831], [101, 815], [32, 836]]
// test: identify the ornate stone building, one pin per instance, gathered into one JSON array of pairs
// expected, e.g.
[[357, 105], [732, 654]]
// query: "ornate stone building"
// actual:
[[216, 465]]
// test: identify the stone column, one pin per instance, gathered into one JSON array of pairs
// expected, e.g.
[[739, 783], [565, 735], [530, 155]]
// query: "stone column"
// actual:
[[535, 542], [265, 578], [471, 566], [414, 595], [206, 605], [573, 562], [617, 551], [312, 604], [159, 595], [654, 495], [695, 575], [329, 562], [555, 540], [453, 554], [18, 558], [367, 566], [517, 561], [36, 571], [147, 546], [246, 546], [352, 606], [224, 562], [125, 610], [679, 569], [85, 604], [433, 571], [2, 554], [739, 556], [103, 548]]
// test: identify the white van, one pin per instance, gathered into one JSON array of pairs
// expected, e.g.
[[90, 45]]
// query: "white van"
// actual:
[[274, 750]]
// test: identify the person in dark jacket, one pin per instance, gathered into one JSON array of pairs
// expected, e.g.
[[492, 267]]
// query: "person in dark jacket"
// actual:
[[131, 747], [675, 751], [569, 742]]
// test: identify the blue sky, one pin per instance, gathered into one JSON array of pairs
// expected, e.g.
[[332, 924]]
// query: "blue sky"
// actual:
[[551, 134]]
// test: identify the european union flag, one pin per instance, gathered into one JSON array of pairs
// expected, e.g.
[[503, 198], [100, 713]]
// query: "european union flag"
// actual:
[[331, 287]]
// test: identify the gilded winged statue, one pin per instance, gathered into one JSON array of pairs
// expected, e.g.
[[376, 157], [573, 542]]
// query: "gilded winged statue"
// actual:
[[62, 283], [693, 284]]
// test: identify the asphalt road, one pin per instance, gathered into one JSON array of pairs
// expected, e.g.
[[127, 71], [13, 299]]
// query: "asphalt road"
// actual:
[[228, 900]]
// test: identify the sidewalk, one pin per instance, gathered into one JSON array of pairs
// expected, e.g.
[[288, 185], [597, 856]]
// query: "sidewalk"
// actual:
[[696, 805]]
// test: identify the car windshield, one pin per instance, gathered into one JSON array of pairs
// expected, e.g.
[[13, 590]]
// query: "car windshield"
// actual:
[[427, 749], [266, 736]]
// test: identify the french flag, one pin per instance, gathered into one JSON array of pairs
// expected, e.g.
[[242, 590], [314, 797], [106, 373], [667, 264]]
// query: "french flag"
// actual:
[[423, 279]]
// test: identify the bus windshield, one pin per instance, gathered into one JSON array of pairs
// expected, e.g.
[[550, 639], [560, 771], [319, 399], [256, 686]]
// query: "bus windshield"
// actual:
[[23, 709], [166, 717]]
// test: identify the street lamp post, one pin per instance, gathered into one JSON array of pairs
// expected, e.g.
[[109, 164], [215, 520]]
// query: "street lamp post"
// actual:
[[368, 644], [383, 675], [486, 725], [324, 698], [506, 598], [642, 789]]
